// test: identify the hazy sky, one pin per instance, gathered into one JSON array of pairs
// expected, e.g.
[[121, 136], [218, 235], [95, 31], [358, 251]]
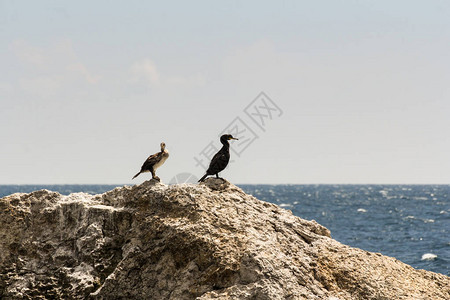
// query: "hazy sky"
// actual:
[[360, 90]]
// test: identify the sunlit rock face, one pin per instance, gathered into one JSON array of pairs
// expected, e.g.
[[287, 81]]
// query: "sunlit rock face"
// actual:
[[206, 241]]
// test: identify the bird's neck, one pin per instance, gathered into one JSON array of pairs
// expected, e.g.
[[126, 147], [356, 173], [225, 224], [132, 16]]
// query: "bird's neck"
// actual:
[[226, 145]]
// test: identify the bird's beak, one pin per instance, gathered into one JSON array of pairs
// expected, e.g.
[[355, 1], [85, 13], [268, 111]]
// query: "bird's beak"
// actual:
[[233, 138]]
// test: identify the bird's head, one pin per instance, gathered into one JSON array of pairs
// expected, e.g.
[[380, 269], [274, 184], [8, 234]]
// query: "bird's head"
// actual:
[[227, 137], [163, 146]]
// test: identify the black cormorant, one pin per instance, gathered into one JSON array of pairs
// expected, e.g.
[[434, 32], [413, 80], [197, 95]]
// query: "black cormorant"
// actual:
[[154, 161], [220, 160]]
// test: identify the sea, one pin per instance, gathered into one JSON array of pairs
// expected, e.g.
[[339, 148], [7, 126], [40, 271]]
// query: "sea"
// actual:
[[408, 222]]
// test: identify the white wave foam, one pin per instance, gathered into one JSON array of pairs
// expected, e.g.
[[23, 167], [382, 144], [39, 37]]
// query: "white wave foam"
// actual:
[[429, 256], [362, 210]]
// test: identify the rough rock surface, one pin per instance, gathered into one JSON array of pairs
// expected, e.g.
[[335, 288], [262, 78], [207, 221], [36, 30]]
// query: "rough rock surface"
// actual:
[[207, 241]]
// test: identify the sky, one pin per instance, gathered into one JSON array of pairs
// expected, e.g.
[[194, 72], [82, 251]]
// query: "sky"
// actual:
[[319, 92]]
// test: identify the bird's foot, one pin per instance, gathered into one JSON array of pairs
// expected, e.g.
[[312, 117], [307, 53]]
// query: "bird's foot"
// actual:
[[157, 178], [217, 177]]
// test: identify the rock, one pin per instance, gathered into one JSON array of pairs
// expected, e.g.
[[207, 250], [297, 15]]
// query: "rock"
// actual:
[[206, 241]]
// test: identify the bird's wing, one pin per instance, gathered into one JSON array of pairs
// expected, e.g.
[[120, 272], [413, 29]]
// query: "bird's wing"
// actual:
[[218, 161], [151, 160], [218, 157]]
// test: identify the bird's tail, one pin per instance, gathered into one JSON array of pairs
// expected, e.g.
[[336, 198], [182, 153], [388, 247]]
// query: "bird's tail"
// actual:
[[136, 175], [203, 178]]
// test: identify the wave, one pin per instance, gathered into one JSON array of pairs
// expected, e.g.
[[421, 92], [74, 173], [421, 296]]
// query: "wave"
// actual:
[[429, 256]]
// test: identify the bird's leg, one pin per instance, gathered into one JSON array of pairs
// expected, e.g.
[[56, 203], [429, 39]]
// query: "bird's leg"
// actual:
[[154, 175]]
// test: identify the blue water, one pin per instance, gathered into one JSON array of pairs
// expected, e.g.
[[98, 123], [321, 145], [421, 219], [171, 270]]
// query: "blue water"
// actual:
[[402, 221]]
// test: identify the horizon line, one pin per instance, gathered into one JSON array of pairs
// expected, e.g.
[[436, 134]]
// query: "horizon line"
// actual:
[[123, 184]]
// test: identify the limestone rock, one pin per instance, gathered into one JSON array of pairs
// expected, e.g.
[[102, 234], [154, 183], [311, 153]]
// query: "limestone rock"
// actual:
[[206, 241]]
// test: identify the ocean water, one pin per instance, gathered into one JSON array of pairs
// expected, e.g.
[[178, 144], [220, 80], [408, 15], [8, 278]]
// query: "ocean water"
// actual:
[[408, 222]]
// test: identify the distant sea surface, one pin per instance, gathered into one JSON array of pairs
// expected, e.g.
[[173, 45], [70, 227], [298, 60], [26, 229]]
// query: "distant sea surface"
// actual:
[[408, 222]]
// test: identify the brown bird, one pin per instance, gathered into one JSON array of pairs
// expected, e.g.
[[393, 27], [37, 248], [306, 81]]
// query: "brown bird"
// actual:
[[153, 162]]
